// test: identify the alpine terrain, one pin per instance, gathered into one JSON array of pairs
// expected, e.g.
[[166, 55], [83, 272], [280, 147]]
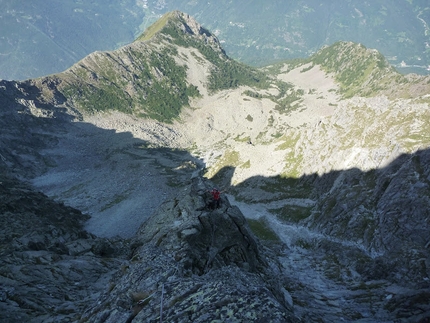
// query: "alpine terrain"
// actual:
[[323, 165], [46, 37]]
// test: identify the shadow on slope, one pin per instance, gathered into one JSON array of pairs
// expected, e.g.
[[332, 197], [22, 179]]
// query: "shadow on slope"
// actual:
[[359, 227], [116, 178], [51, 267], [116, 174], [120, 180], [384, 210], [29, 125]]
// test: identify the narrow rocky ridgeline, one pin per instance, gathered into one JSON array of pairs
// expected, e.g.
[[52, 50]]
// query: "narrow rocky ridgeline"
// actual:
[[188, 263], [191, 263]]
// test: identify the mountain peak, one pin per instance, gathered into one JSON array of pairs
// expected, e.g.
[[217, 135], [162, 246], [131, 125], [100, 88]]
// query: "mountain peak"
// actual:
[[176, 24], [362, 71]]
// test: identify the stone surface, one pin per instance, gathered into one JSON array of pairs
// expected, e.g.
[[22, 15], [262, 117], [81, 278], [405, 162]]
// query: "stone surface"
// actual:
[[195, 264], [51, 269]]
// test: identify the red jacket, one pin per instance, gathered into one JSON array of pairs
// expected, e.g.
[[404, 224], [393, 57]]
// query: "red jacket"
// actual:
[[216, 194]]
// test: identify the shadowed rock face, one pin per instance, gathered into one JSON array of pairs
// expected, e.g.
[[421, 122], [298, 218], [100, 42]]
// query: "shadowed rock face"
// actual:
[[223, 239], [196, 263], [209, 239], [199, 265], [51, 269]]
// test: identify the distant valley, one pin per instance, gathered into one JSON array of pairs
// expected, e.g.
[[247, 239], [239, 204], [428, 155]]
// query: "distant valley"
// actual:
[[42, 38]]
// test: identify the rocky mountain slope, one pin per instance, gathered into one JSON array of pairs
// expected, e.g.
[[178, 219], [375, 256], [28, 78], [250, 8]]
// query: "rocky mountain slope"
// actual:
[[327, 162], [51, 268]]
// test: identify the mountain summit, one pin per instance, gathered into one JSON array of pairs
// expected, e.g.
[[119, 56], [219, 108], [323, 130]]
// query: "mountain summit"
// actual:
[[323, 164], [176, 60], [179, 26]]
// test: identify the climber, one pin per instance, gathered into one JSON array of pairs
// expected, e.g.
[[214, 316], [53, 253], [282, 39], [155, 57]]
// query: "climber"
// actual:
[[216, 198]]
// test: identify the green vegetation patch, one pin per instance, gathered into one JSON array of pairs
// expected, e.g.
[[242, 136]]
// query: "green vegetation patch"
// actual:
[[252, 94], [293, 157], [288, 142], [246, 164], [292, 213], [262, 230], [154, 87], [116, 200], [155, 28], [73, 190], [287, 187], [226, 73], [224, 166], [357, 69], [238, 138]]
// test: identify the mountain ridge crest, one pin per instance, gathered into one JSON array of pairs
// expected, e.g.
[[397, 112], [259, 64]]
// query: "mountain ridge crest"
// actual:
[[325, 177]]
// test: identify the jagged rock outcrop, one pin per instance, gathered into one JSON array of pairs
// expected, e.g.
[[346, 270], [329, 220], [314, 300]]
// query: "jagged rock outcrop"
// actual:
[[188, 263], [386, 211], [195, 264], [188, 25]]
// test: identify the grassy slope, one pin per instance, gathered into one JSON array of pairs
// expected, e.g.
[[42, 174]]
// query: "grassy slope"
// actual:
[[144, 78], [360, 71]]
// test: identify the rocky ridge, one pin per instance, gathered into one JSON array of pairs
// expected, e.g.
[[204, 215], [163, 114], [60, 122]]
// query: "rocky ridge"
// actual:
[[351, 216], [191, 263]]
